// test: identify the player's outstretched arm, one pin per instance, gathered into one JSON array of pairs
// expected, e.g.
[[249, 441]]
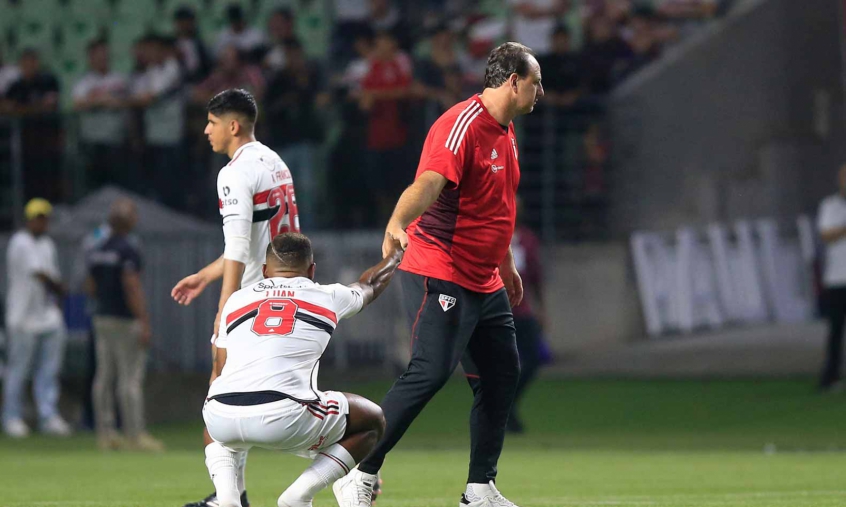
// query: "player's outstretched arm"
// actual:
[[375, 280], [412, 203], [190, 287]]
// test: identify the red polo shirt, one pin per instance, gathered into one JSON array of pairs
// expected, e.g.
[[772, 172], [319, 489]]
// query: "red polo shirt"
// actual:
[[464, 236]]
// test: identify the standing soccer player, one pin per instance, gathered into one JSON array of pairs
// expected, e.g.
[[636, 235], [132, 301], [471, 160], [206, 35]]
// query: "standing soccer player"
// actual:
[[459, 281], [257, 202]]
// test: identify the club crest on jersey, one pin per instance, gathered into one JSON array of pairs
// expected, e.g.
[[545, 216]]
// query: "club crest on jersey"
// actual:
[[446, 302], [494, 154]]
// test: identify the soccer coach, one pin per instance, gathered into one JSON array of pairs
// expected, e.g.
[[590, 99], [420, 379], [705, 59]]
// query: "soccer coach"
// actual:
[[459, 280]]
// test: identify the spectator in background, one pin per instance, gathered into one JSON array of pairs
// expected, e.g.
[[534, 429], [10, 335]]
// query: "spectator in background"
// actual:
[[386, 17], [533, 22], [562, 70], [122, 330], [384, 93], [231, 72], [34, 323], [530, 315], [831, 222], [35, 96], [295, 97], [158, 91], [9, 73], [605, 55], [100, 98], [247, 39], [356, 70], [349, 152], [193, 55], [280, 29], [439, 77], [644, 49], [350, 20]]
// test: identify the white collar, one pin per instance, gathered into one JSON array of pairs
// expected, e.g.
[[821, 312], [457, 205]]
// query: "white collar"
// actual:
[[238, 151]]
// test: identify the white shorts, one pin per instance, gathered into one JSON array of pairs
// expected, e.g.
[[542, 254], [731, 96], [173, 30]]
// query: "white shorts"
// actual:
[[286, 425]]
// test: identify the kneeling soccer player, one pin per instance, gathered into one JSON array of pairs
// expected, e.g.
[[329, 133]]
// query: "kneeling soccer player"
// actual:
[[264, 388]]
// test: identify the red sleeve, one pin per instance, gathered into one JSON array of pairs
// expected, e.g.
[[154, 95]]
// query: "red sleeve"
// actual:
[[449, 148]]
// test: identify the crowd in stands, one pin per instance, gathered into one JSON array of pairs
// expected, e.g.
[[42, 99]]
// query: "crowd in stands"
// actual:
[[391, 68]]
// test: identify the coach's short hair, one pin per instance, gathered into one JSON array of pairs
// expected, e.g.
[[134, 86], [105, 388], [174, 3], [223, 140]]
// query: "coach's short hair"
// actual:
[[235, 100], [506, 59], [291, 249]]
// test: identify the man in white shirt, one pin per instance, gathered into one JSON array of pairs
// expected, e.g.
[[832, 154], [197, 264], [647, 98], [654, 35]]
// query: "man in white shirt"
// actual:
[[831, 222], [256, 200], [100, 98], [533, 22], [34, 323], [159, 91], [264, 389]]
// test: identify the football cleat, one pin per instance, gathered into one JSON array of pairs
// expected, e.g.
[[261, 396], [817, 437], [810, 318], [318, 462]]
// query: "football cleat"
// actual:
[[356, 489], [484, 495], [211, 501]]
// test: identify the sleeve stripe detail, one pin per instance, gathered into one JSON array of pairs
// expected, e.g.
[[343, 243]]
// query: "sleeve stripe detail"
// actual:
[[461, 117], [460, 137]]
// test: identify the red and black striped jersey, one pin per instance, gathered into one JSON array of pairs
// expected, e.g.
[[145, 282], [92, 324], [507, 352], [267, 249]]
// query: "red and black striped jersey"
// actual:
[[256, 188], [275, 332]]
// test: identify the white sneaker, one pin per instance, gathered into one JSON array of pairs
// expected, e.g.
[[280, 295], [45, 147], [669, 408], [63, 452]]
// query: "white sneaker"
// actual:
[[484, 495], [16, 428], [56, 426], [355, 489]]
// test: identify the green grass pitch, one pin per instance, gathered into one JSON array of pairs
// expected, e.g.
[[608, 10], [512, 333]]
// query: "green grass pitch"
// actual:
[[590, 443]]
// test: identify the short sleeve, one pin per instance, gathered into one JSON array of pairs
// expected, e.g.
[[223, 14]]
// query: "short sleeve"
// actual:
[[235, 196], [348, 301], [22, 261], [829, 216], [450, 145]]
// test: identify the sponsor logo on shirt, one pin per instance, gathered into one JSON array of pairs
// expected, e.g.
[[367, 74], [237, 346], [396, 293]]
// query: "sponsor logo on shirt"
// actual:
[[229, 202], [494, 154], [446, 302], [226, 191], [496, 168]]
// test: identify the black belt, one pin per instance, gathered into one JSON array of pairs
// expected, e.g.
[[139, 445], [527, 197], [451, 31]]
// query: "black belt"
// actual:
[[254, 398]]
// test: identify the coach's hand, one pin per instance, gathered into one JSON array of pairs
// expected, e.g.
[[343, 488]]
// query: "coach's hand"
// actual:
[[394, 233], [513, 284], [188, 289]]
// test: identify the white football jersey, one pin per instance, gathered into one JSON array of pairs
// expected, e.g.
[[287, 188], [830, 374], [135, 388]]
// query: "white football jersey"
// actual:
[[256, 187], [275, 332]]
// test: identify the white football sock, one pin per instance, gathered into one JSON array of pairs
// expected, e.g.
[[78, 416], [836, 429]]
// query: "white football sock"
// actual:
[[330, 465], [240, 470], [222, 465]]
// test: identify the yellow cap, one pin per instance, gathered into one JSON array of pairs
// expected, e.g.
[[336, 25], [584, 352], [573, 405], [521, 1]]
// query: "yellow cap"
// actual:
[[37, 207]]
